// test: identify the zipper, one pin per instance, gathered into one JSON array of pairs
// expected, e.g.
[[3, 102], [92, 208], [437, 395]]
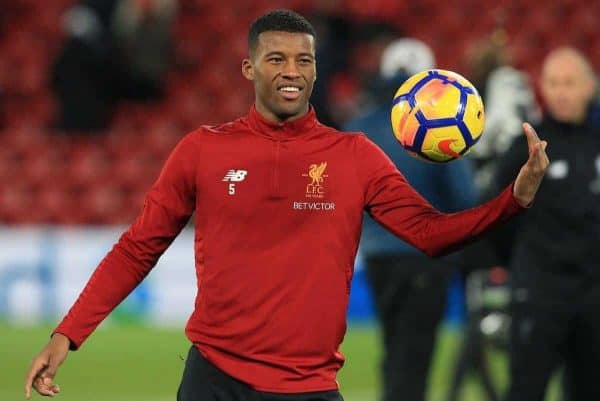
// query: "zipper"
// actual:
[[275, 186], [277, 156]]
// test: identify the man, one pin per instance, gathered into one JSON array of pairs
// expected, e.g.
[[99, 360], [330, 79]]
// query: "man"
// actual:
[[115, 50], [556, 253], [409, 288], [278, 201]]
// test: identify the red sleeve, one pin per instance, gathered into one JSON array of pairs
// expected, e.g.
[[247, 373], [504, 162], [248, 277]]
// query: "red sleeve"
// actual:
[[393, 202], [167, 208]]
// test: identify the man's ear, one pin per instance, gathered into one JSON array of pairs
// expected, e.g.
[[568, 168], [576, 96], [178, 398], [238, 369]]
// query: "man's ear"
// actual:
[[248, 69]]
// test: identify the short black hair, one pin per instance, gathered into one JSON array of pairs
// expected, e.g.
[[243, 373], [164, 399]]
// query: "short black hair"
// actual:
[[278, 20]]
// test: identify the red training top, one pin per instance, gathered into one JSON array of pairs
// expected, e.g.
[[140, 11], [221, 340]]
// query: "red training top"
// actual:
[[278, 218]]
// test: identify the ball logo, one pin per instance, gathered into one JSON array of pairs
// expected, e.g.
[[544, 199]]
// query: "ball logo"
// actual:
[[444, 147]]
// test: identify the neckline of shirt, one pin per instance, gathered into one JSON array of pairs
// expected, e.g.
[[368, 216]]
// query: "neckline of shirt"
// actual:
[[287, 130]]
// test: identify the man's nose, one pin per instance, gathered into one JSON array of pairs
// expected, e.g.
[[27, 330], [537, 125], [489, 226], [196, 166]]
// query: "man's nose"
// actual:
[[290, 70]]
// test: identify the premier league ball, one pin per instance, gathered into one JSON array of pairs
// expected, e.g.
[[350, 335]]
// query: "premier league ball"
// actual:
[[437, 115]]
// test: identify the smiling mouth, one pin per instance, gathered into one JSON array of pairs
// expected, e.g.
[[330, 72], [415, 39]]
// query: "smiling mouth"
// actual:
[[290, 92]]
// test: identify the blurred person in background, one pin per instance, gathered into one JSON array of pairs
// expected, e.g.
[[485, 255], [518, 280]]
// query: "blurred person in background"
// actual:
[[335, 37], [277, 229], [555, 254], [115, 50], [409, 288], [509, 100], [508, 97], [487, 295], [353, 50]]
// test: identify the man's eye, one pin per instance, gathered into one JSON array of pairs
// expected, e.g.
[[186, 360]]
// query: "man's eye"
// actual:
[[305, 61], [275, 59]]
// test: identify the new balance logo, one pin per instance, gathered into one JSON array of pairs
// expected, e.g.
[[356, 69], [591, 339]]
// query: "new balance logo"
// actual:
[[235, 175]]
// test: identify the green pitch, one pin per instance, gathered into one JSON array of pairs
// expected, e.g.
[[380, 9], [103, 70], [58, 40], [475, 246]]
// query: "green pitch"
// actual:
[[135, 363]]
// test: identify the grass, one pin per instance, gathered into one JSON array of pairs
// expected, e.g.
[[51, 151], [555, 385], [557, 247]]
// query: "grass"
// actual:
[[136, 363]]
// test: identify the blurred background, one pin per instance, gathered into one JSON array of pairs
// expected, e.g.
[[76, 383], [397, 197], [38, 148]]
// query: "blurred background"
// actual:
[[95, 93]]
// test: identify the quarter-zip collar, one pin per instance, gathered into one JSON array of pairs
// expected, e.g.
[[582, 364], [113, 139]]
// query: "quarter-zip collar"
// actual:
[[283, 131]]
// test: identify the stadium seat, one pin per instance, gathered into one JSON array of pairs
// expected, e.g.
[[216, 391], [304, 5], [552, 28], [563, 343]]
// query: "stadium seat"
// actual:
[[47, 177]]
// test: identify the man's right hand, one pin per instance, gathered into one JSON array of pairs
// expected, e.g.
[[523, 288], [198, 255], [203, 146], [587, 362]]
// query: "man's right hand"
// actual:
[[44, 366]]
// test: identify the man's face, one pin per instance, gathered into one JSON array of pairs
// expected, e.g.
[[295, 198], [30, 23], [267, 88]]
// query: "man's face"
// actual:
[[282, 67], [567, 88]]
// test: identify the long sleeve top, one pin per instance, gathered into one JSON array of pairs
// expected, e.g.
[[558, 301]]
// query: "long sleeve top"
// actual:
[[278, 213]]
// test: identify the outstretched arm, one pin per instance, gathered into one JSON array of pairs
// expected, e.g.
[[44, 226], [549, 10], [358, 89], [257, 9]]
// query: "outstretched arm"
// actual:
[[397, 206], [167, 208]]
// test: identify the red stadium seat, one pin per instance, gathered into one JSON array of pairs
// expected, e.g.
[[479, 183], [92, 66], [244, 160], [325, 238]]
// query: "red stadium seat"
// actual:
[[103, 203], [88, 164], [49, 178]]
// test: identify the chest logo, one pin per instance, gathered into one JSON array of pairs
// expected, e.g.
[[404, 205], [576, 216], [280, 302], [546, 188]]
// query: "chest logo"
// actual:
[[233, 176], [316, 174]]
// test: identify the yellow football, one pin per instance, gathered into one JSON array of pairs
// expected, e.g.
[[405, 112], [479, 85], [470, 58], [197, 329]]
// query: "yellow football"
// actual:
[[437, 115]]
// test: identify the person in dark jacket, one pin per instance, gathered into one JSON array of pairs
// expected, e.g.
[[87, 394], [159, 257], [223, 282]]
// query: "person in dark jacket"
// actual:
[[556, 253], [115, 50]]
